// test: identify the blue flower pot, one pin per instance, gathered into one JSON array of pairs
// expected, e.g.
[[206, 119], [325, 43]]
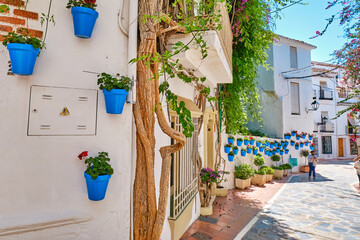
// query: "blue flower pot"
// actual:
[[231, 140], [235, 151], [231, 158], [239, 143], [84, 21], [246, 142], [293, 134], [282, 144], [310, 138], [23, 58], [297, 138], [261, 149], [248, 150], [303, 136], [227, 149], [267, 144], [306, 144], [115, 100], [301, 145], [292, 143], [96, 188], [311, 148], [296, 147], [287, 137], [281, 153], [258, 144], [286, 151], [286, 144], [271, 145], [266, 153], [255, 152], [277, 150], [252, 142], [243, 153]]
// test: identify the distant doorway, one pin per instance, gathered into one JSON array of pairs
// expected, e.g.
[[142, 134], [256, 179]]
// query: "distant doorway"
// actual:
[[341, 147]]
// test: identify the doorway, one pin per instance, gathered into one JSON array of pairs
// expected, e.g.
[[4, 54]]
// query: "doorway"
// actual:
[[341, 147]]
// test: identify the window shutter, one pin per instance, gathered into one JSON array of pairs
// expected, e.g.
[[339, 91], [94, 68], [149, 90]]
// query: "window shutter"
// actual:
[[293, 57], [295, 99]]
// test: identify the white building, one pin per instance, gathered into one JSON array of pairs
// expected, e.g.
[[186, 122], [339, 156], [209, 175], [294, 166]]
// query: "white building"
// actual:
[[332, 136], [43, 189]]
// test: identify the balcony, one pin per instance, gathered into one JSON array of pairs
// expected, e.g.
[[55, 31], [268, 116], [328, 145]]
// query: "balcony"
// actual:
[[328, 127], [326, 94], [217, 66]]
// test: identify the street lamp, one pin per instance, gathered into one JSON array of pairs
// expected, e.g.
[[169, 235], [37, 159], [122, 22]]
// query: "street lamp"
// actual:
[[315, 106]]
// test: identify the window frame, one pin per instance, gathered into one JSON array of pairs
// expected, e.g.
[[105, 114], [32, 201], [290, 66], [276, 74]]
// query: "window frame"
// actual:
[[298, 93], [323, 147]]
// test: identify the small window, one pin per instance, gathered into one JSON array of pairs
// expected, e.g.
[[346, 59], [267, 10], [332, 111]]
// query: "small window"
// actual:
[[326, 145], [295, 99], [293, 57]]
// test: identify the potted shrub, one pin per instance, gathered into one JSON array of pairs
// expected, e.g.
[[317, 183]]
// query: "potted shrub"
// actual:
[[115, 90], [286, 167], [84, 16], [239, 141], [297, 145], [311, 136], [231, 156], [259, 178], [246, 141], [305, 168], [269, 173], [235, 150], [23, 50], [242, 176], [259, 160], [243, 152], [292, 143], [208, 177], [287, 135], [293, 133], [278, 172], [312, 146], [97, 174]]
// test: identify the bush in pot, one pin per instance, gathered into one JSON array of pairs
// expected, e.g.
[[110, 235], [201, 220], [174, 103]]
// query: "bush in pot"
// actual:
[[115, 90], [97, 174], [269, 173], [259, 160], [278, 172], [259, 178], [23, 50], [84, 16], [242, 175], [286, 167], [208, 177], [305, 168]]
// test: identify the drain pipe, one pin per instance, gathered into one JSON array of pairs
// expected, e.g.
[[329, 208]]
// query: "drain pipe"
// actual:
[[132, 53]]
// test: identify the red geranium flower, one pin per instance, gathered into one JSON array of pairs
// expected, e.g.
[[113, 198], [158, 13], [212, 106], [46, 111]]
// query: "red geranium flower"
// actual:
[[90, 1], [82, 155]]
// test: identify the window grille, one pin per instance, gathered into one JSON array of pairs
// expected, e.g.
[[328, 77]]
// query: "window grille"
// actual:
[[326, 145], [183, 176]]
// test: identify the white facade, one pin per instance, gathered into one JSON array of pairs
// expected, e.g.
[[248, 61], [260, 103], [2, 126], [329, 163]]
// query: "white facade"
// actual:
[[332, 136], [45, 194]]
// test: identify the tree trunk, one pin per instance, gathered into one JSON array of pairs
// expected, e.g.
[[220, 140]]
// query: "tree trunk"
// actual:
[[148, 217]]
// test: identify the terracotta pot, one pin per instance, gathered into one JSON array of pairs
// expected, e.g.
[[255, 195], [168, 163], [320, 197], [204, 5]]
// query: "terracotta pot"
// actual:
[[304, 169]]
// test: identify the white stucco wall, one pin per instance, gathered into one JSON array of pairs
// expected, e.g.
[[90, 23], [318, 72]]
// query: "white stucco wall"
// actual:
[[44, 179]]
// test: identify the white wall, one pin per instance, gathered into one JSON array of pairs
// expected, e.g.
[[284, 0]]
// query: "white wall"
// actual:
[[44, 179]]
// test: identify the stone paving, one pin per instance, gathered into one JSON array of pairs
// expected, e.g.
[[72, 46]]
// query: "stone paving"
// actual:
[[325, 208]]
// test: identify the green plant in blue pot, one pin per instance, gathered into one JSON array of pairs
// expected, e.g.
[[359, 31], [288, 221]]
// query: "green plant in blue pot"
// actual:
[[115, 89], [84, 16], [97, 174]]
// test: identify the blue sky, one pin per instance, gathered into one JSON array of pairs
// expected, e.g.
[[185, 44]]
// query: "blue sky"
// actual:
[[302, 21]]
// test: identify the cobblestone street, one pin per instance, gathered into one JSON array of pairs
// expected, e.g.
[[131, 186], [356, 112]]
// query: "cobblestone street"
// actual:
[[325, 208]]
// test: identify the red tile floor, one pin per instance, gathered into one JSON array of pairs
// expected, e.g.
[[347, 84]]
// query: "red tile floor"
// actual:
[[234, 212]]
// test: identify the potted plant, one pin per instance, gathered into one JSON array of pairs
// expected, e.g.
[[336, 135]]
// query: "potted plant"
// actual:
[[298, 137], [286, 151], [97, 174], [84, 16], [276, 143], [259, 178], [259, 160], [283, 143], [261, 148], [305, 168], [243, 152], [23, 50], [242, 176], [293, 133], [286, 167], [255, 150], [311, 136], [269, 173], [231, 156], [246, 141], [303, 135], [258, 143], [252, 140], [239, 141], [271, 145], [286, 143], [267, 143], [281, 152], [287, 135], [278, 173], [115, 90], [235, 150], [297, 145], [292, 143], [208, 177], [231, 139], [248, 149], [227, 148], [312, 146], [307, 143], [301, 144]]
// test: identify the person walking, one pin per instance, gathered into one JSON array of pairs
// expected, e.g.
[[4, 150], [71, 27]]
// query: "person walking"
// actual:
[[357, 166], [312, 159]]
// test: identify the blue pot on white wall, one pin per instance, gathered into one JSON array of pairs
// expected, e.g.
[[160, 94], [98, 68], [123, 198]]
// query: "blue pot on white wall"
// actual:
[[115, 100], [23, 57], [84, 21], [96, 188]]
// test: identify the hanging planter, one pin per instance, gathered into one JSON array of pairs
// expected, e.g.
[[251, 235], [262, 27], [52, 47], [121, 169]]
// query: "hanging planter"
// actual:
[[246, 141], [261, 149], [231, 156], [243, 152], [115, 90], [252, 140], [235, 150], [312, 146], [239, 142], [311, 137], [258, 143], [297, 146], [286, 151], [84, 17], [248, 149], [227, 148], [301, 144], [293, 133], [287, 136], [23, 50], [231, 140], [97, 174], [292, 143]]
